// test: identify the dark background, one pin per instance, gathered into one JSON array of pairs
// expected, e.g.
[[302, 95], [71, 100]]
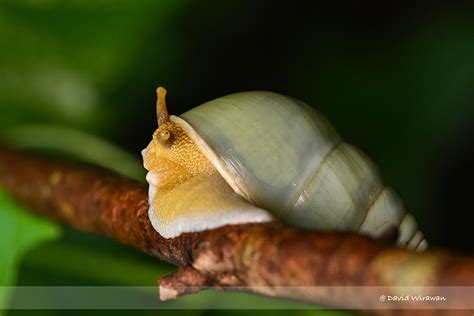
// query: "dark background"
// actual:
[[397, 81]]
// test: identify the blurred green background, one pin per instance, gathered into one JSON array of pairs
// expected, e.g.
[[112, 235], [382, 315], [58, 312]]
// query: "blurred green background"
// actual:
[[78, 79]]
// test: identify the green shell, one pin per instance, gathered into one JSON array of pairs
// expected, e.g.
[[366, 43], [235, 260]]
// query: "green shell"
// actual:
[[284, 156]]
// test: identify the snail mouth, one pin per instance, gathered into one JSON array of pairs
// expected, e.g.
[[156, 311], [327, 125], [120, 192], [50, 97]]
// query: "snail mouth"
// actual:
[[146, 154], [165, 174], [153, 178]]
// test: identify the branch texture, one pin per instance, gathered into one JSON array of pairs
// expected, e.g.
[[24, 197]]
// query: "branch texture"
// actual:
[[270, 259]]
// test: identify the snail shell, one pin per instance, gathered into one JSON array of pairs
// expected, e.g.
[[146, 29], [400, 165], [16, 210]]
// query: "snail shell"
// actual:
[[282, 156]]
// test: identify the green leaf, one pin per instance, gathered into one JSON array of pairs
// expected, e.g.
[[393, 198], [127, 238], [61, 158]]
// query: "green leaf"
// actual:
[[19, 232], [76, 144]]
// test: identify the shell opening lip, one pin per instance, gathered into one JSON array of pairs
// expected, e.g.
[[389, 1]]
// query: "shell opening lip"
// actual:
[[220, 166]]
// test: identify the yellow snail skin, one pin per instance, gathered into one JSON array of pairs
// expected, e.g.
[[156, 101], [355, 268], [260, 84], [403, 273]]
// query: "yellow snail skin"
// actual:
[[260, 156]]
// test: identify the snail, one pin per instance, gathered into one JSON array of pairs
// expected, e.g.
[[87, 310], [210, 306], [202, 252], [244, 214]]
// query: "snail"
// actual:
[[260, 156]]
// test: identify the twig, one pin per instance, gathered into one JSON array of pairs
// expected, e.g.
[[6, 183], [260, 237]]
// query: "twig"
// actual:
[[269, 259]]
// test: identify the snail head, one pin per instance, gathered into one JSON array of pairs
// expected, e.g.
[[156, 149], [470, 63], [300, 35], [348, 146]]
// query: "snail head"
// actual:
[[171, 157]]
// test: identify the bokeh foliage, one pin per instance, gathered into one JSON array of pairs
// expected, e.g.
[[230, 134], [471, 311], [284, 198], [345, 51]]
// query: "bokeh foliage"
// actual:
[[77, 80]]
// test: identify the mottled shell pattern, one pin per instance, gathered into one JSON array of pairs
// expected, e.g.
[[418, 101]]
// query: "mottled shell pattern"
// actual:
[[283, 156]]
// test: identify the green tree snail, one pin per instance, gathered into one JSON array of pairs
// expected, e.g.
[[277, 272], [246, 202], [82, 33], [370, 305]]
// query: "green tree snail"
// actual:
[[261, 156]]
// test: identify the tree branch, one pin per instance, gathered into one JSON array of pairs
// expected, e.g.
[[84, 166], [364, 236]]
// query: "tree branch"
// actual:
[[269, 258]]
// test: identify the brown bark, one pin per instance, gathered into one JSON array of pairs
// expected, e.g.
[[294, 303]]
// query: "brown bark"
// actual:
[[269, 259]]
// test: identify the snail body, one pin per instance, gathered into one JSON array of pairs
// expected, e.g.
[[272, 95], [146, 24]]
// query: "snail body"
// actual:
[[261, 156]]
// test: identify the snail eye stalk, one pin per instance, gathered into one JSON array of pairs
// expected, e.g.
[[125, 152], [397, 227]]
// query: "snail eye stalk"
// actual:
[[163, 136], [161, 110]]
